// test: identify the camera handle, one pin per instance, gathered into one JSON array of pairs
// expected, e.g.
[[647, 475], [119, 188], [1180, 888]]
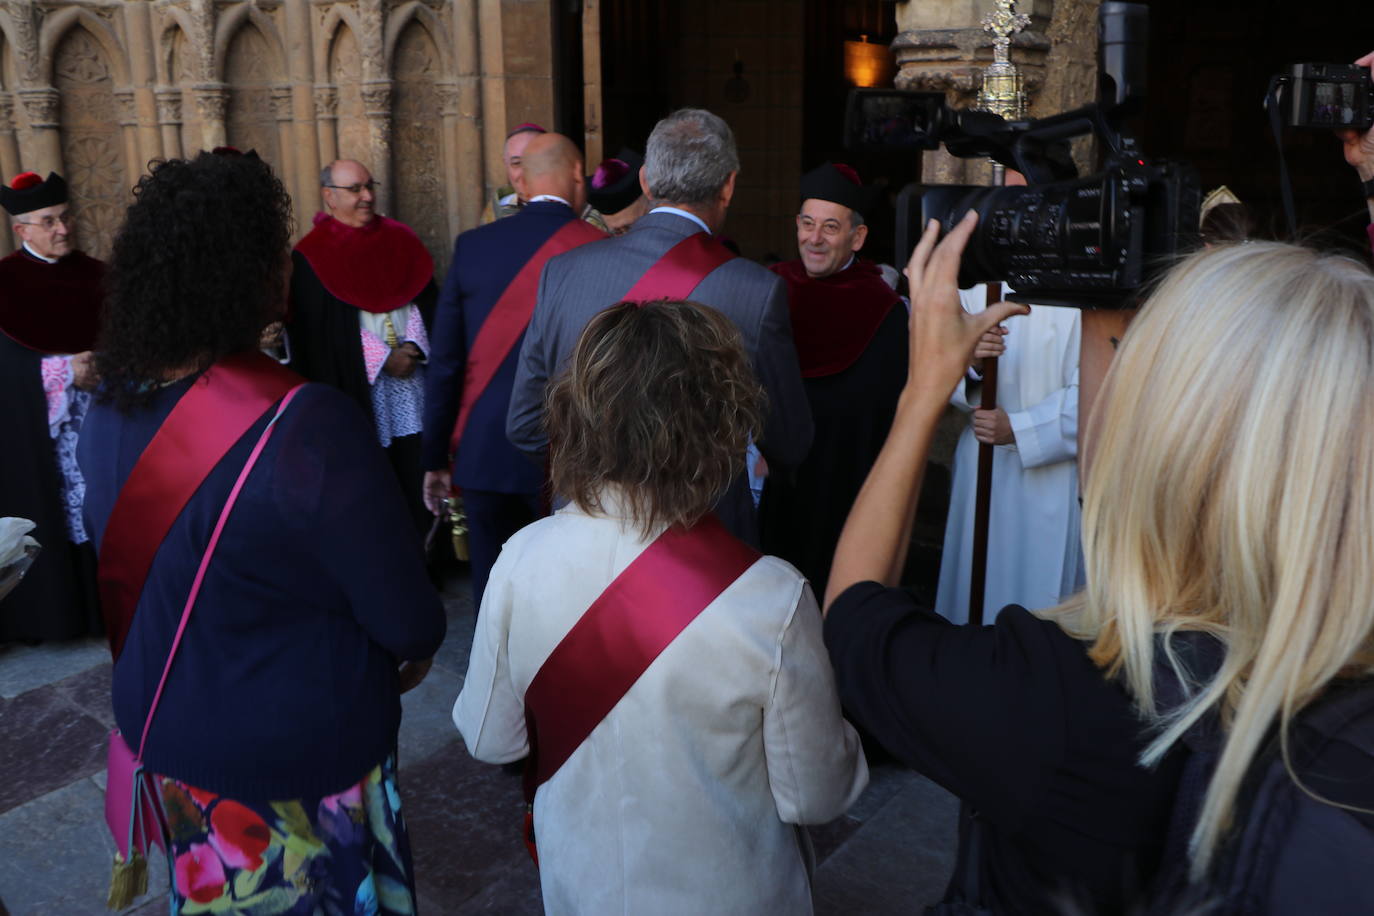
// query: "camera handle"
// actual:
[[1271, 104]]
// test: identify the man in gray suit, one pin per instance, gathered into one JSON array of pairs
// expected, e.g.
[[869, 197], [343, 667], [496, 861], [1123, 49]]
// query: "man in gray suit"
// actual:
[[689, 177]]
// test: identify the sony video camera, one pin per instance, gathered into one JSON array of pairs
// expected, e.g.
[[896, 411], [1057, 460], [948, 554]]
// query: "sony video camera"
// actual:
[[1060, 240]]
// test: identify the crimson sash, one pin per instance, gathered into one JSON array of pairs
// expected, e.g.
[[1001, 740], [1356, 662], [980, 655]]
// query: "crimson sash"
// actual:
[[213, 415], [509, 318], [629, 624], [680, 270]]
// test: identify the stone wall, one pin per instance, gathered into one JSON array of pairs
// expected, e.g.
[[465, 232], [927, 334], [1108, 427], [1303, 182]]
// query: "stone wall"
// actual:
[[95, 89]]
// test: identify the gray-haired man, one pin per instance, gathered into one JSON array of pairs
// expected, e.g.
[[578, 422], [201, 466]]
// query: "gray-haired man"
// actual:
[[689, 176]]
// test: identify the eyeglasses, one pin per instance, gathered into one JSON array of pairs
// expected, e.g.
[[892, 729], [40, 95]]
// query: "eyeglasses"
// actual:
[[356, 188], [830, 228], [49, 223]]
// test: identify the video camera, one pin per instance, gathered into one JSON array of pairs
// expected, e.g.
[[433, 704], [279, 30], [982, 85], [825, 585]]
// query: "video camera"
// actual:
[[1324, 97], [1061, 239]]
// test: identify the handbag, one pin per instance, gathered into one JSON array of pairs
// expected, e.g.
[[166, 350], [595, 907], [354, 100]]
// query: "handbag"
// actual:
[[133, 807]]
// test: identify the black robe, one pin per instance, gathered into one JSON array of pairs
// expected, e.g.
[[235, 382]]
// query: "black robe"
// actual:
[[326, 347], [801, 515], [56, 599]]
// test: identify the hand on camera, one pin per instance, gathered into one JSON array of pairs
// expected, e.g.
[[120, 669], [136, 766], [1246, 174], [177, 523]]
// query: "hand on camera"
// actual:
[[1359, 147], [943, 335]]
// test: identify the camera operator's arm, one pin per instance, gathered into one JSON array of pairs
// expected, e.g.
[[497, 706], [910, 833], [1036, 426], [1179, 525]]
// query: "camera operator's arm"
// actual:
[[1359, 149], [943, 336]]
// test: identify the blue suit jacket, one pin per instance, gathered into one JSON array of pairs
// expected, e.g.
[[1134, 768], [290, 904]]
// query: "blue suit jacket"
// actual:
[[485, 260]]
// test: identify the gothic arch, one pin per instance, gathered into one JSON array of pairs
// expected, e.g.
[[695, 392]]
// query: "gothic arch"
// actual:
[[240, 17], [418, 12], [175, 27], [92, 148], [338, 19], [54, 31], [417, 155], [251, 117], [345, 69]]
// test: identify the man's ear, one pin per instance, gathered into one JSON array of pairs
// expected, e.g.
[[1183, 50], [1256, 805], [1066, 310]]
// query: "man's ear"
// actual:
[[644, 184], [727, 190], [860, 236]]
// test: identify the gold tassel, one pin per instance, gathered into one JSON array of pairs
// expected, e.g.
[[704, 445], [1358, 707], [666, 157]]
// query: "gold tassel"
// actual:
[[389, 330], [128, 880], [458, 522]]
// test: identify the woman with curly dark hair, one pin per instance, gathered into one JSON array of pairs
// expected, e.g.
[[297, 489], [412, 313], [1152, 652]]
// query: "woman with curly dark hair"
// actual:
[[668, 683], [261, 583]]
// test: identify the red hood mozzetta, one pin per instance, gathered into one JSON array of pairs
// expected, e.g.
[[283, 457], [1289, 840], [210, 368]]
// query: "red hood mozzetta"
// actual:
[[378, 267], [834, 317]]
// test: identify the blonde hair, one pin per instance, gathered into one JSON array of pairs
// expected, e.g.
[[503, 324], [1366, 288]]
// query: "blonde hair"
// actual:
[[658, 401], [1231, 491]]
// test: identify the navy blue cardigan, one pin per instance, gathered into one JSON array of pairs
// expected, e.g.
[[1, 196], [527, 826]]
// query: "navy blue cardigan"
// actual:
[[285, 683]]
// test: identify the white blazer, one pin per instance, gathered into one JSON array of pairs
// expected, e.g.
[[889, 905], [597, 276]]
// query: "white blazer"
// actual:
[[683, 799]]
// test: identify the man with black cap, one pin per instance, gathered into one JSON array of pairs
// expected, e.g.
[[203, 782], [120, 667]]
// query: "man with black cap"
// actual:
[[50, 297], [850, 329], [613, 191]]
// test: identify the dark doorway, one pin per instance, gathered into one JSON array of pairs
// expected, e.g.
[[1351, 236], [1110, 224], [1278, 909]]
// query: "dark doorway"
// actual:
[[1209, 68]]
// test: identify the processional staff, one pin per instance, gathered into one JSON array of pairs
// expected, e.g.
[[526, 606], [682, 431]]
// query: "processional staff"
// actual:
[[1001, 94]]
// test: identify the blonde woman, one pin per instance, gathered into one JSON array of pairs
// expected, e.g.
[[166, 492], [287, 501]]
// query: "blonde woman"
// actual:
[[684, 791], [1228, 530]]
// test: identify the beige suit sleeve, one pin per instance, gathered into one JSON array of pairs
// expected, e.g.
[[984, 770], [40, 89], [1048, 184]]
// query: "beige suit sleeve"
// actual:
[[816, 766], [489, 712]]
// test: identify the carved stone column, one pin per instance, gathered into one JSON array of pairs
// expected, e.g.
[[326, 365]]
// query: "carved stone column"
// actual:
[[943, 48], [9, 162], [377, 109], [143, 72], [169, 120], [305, 130], [448, 109], [45, 143], [128, 128], [468, 166], [281, 109], [212, 107], [327, 117]]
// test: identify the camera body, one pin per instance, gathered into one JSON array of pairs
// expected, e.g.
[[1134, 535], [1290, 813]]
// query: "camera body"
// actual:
[[1061, 239], [1325, 97]]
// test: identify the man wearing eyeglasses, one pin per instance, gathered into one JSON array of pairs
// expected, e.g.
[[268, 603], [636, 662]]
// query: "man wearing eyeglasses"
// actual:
[[50, 297], [850, 329], [362, 296]]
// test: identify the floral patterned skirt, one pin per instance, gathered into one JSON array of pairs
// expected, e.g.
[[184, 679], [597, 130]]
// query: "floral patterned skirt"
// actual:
[[346, 854]]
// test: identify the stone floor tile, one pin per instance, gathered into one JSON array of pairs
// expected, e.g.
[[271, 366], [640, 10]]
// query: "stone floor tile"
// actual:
[[47, 744], [826, 838], [453, 654], [22, 668], [89, 692], [427, 716], [464, 821], [884, 781], [515, 893], [899, 861], [55, 856]]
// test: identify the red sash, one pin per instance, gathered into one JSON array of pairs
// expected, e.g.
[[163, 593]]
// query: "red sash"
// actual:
[[509, 318], [625, 629], [213, 415], [681, 269]]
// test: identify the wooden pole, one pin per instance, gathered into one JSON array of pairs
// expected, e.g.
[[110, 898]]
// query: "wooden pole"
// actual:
[[982, 507]]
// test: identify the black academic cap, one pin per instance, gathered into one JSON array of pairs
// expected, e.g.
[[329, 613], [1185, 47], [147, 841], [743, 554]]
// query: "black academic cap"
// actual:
[[615, 183], [835, 182], [28, 192]]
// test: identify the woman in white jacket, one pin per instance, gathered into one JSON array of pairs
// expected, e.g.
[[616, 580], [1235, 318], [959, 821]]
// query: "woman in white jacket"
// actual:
[[687, 797]]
